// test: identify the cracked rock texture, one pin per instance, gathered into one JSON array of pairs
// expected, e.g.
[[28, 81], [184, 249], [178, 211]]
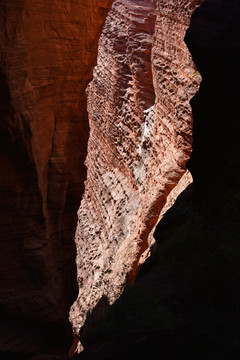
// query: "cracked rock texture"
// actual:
[[185, 301], [140, 140], [47, 53]]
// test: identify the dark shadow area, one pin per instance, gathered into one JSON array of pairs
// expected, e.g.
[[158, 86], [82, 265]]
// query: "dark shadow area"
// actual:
[[185, 302], [94, 318], [214, 42], [32, 335]]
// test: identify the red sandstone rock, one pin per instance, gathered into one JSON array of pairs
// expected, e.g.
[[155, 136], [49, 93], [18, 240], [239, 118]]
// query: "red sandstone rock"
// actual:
[[140, 140], [47, 53], [185, 303]]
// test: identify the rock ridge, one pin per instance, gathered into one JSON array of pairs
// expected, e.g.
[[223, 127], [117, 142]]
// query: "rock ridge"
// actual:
[[140, 140], [185, 301]]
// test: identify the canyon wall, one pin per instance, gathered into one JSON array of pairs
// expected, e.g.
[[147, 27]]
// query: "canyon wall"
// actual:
[[47, 52], [186, 297], [140, 140], [185, 301]]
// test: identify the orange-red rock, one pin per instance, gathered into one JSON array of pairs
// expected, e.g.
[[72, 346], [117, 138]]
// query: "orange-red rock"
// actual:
[[140, 140], [47, 53], [185, 302]]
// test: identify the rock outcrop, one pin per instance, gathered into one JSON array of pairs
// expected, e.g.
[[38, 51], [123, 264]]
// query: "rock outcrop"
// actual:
[[140, 140], [47, 52], [185, 301]]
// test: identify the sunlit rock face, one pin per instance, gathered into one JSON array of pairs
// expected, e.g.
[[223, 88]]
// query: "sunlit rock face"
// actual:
[[140, 140], [47, 53], [185, 301]]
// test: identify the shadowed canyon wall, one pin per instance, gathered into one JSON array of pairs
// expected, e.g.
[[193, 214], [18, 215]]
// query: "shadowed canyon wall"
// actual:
[[47, 53], [140, 139]]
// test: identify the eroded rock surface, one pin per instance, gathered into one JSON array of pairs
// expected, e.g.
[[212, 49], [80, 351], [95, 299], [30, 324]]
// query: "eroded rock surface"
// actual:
[[47, 53], [185, 301], [140, 140]]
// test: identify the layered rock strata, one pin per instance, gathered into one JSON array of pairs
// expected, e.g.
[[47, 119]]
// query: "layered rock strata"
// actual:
[[47, 53], [185, 301], [140, 140]]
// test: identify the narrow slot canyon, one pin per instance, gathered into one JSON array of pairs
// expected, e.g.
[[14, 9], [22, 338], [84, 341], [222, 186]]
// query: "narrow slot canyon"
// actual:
[[119, 181]]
